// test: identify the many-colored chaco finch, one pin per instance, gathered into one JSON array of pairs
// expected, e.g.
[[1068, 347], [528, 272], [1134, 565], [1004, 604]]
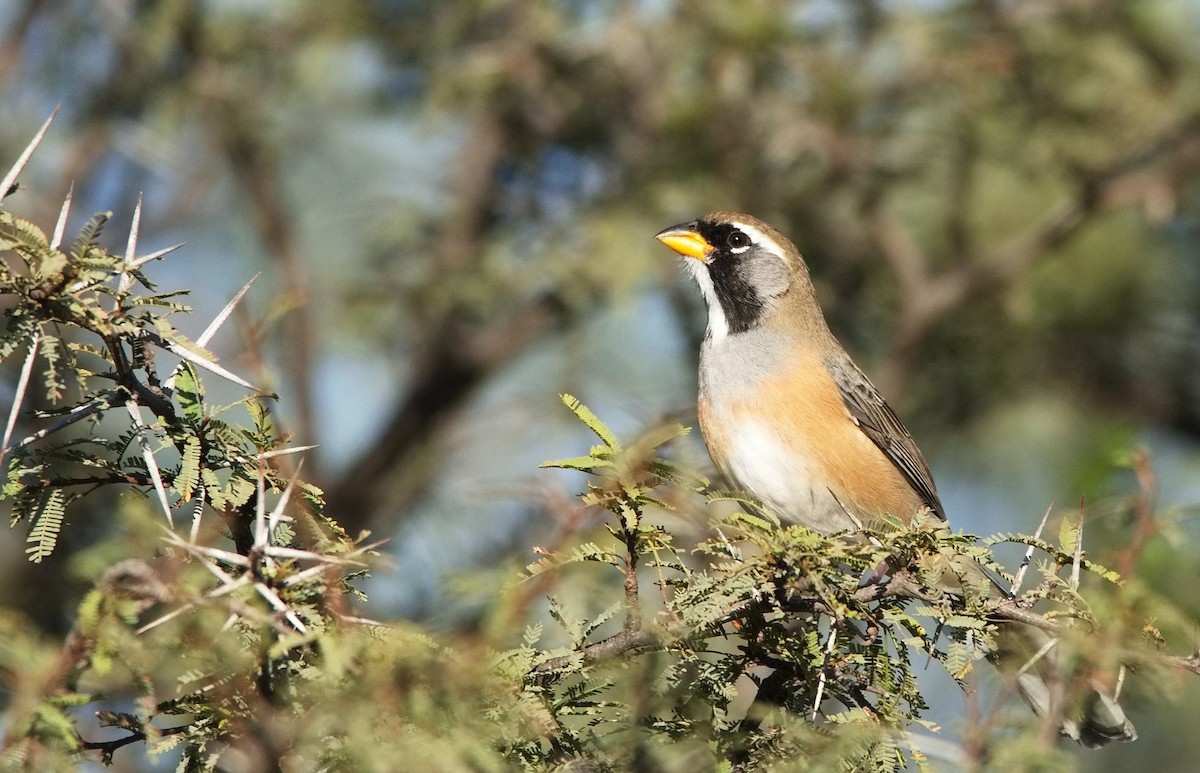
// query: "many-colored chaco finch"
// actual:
[[790, 419]]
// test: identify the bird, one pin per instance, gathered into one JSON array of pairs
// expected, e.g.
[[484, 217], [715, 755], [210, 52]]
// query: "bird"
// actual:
[[790, 419]]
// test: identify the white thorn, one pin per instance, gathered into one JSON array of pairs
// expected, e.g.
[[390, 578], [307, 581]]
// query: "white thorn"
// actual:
[[286, 451], [126, 280], [829, 647], [195, 359], [139, 262], [1016, 586], [19, 396], [261, 535], [277, 511], [151, 463], [219, 320], [1077, 559], [134, 227], [23, 159], [61, 226], [197, 513]]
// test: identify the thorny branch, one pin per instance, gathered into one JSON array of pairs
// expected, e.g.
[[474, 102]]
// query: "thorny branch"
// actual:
[[901, 584]]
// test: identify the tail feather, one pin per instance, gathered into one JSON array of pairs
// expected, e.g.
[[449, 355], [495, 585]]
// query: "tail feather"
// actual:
[[1104, 721], [1030, 652]]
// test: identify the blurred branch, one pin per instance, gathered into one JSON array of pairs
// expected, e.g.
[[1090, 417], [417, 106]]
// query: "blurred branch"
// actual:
[[13, 45], [927, 297], [1144, 525], [456, 356], [255, 164], [462, 360]]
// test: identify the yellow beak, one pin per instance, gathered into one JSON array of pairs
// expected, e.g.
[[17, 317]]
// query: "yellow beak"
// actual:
[[686, 241]]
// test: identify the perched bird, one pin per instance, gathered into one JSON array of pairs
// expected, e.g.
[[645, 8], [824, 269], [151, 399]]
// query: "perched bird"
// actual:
[[789, 418]]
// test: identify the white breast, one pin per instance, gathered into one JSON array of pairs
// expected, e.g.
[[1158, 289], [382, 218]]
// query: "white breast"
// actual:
[[760, 463]]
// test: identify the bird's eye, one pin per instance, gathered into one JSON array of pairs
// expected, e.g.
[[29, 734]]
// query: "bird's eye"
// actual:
[[738, 240]]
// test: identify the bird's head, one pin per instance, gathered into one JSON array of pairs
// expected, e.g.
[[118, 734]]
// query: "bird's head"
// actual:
[[745, 268]]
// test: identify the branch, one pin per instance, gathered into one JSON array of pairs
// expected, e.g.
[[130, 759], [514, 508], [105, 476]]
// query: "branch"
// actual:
[[901, 585], [1190, 663], [461, 361], [927, 298], [255, 164], [1144, 525], [625, 642], [632, 638], [108, 748]]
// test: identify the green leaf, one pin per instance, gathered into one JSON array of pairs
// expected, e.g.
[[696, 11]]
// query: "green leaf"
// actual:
[[189, 392], [54, 375], [48, 520], [189, 469], [590, 419], [158, 302], [213, 488], [589, 464], [260, 414], [762, 524], [18, 232], [1068, 535], [239, 490], [89, 612], [89, 233], [17, 333]]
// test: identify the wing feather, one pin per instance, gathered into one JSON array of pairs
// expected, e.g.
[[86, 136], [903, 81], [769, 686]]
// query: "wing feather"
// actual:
[[879, 422]]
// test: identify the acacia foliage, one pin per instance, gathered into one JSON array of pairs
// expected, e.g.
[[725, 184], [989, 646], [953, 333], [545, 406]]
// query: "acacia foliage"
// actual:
[[224, 623]]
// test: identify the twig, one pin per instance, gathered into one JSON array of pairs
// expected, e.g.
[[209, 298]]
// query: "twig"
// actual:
[[622, 643], [900, 584], [632, 638], [830, 643], [1076, 559], [107, 748], [633, 609], [75, 414], [1144, 525]]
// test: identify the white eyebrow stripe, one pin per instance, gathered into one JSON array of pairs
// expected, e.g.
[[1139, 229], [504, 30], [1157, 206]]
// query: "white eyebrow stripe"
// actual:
[[761, 239]]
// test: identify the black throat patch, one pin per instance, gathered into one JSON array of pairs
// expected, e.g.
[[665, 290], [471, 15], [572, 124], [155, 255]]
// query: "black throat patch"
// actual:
[[740, 302], [731, 274]]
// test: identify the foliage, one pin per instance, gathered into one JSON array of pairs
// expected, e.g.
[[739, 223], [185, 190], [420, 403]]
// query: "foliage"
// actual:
[[964, 178], [230, 639]]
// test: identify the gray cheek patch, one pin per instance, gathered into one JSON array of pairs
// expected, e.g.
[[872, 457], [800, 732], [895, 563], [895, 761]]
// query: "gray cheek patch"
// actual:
[[767, 273], [745, 284]]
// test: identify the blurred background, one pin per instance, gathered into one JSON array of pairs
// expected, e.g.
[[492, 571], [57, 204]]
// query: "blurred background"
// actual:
[[452, 205]]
